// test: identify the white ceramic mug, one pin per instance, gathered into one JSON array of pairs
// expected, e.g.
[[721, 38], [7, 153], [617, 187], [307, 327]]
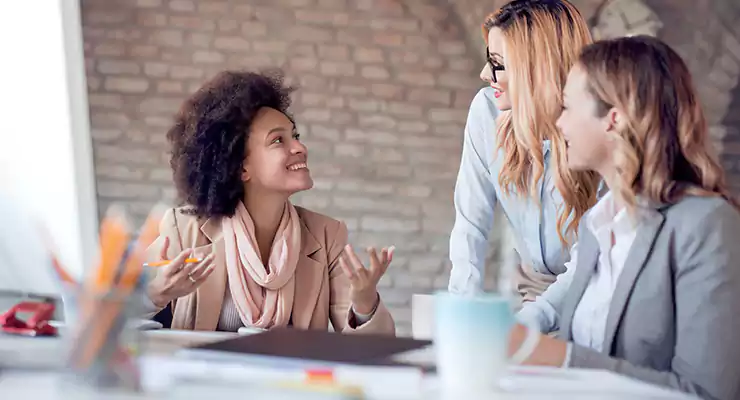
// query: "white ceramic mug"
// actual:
[[422, 316], [471, 336]]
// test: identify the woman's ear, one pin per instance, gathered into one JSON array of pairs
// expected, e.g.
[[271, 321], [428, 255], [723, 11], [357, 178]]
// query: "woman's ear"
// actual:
[[611, 119], [614, 121], [245, 174]]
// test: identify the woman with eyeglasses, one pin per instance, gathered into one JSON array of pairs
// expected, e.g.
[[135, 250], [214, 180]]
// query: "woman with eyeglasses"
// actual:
[[512, 151]]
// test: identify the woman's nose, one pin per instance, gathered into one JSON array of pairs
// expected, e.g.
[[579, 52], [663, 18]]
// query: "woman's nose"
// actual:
[[485, 74], [297, 147]]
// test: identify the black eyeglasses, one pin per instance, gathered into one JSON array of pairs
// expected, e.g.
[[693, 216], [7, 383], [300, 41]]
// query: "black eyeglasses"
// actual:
[[495, 66]]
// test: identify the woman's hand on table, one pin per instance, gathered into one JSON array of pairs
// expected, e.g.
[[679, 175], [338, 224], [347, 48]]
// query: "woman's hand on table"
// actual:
[[549, 352]]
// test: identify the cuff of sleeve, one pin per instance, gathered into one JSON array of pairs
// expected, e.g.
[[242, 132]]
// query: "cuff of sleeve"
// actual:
[[568, 353], [148, 304], [530, 314], [464, 281], [585, 357], [363, 318]]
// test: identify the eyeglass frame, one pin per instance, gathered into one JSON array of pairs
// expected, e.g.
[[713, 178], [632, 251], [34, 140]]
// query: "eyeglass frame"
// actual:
[[495, 66]]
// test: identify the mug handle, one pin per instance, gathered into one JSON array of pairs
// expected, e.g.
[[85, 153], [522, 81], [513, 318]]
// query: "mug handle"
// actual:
[[529, 344]]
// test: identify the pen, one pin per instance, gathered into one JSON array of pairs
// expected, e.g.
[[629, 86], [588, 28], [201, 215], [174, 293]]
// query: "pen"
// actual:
[[165, 262]]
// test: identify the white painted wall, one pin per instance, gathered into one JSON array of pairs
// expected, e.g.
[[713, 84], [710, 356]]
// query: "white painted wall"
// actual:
[[45, 146]]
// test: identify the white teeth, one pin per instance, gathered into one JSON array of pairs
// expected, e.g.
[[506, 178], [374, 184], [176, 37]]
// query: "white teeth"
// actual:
[[297, 166]]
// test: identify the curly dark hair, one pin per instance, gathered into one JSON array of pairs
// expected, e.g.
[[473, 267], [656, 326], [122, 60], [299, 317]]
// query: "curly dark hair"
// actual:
[[210, 133]]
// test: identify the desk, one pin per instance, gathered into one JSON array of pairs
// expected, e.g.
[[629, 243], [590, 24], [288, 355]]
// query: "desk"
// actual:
[[166, 341], [39, 385]]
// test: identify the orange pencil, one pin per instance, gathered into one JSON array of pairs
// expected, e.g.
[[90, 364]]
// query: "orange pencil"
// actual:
[[61, 271], [56, 265], [132, 268], [165, 262], [114, 239]]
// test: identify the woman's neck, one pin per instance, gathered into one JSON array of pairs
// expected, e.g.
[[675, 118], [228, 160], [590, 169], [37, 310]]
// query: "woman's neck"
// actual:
[[610, 178], [266, 212]]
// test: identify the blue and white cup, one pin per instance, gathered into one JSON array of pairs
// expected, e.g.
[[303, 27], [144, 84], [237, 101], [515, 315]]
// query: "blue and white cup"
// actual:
[[471, 336]]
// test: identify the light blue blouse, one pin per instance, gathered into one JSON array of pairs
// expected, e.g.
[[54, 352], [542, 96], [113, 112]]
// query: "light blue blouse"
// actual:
[[476, 193]]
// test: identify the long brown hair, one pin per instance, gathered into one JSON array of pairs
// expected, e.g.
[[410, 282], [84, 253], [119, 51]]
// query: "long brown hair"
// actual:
[[543, 39], [663, 150]]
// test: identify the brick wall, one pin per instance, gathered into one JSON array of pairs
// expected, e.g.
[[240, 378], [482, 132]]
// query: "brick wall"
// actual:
[[471, 14], [716, 66], [384, 90], [385, 87], [708, 39]]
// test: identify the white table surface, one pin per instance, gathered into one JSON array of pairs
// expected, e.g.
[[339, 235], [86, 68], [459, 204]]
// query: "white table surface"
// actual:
[[524, 382]]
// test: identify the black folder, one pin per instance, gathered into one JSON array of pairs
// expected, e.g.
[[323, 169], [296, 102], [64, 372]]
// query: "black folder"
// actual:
[[287, 347]]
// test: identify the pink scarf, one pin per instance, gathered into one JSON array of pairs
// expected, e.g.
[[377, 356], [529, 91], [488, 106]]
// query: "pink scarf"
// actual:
[[263, 296]]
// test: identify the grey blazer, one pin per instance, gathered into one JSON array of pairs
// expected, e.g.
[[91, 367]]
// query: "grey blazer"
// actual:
[[674, 318]]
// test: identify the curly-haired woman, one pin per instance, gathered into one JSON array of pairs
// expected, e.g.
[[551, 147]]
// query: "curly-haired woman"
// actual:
[[236, 160]]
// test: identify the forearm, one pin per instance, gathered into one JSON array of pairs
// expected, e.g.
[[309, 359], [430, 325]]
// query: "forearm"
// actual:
[[584, 357], [474, 200], [467, 255], [544, 312]]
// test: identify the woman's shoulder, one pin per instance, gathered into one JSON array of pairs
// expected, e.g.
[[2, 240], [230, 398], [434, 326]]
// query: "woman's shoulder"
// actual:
[[483, 106], [692, 210], [320, 224], [184, 212], [179, 218]]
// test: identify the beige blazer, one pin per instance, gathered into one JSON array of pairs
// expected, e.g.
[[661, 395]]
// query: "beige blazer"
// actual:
[[322, 289]]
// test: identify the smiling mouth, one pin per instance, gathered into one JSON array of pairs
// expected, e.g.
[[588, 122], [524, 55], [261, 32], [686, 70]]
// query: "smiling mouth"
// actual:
[[297, 166]]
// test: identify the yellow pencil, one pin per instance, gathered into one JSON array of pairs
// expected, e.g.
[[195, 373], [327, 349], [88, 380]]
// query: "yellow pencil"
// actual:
[[165, 262]]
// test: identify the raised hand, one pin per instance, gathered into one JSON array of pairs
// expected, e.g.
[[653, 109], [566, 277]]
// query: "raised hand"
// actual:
[[364, 281]]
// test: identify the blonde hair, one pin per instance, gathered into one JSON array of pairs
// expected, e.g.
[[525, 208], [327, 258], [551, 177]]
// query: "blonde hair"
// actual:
[[543, 39], [662, 147]]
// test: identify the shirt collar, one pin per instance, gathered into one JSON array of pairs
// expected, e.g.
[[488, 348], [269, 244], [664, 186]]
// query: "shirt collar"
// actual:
[[606, 215]]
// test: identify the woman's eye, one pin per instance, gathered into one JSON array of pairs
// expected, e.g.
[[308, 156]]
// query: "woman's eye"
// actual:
[[277, 140], [297, 136]]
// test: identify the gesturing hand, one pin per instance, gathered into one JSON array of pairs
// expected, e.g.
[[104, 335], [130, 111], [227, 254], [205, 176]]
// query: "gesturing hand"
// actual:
[[178, 278], [364, 281]]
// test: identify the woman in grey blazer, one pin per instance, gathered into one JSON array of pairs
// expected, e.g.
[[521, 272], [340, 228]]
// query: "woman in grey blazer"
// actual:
[[653, 292]]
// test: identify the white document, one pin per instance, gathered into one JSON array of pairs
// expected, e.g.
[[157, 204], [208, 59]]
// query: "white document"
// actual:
[[544, 380]]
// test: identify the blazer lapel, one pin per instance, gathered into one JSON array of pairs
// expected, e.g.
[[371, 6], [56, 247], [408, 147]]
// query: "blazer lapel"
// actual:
[[309, 275], [210, 295], [647, 231], [588, 257]]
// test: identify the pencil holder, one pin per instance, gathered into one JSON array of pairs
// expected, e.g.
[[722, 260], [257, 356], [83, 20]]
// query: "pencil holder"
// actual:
[[101, 345]]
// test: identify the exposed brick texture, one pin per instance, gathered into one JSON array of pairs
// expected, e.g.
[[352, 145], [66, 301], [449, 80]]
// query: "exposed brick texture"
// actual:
[[384, 89]]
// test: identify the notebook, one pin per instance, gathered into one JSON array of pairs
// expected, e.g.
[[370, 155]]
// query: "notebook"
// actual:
[[295, 348]]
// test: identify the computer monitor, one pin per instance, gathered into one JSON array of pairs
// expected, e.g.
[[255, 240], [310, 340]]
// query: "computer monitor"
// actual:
[[25, 263]]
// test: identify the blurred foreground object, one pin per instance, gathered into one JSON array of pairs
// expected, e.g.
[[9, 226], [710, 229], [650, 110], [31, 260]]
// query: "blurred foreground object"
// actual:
[[101, 345]]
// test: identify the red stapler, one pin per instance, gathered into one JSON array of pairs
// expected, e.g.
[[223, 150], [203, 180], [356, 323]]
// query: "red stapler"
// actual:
[[36, 325]]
